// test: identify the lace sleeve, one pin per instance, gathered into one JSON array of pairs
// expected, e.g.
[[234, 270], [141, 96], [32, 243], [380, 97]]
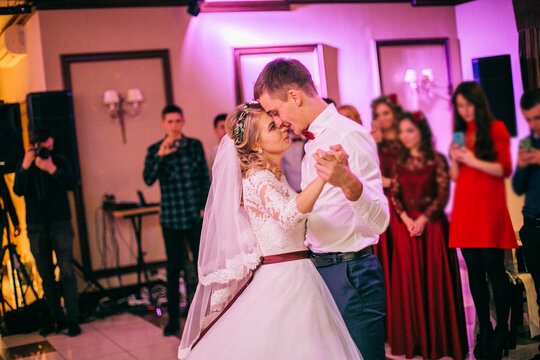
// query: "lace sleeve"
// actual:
[[275, 200], [395, 192], [442, 178]]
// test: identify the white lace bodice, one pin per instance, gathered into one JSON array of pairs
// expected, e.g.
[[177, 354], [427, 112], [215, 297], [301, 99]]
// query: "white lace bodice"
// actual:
[[272, 210]]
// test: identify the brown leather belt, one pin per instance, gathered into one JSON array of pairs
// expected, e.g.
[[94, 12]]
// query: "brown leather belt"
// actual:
[[327, 259]]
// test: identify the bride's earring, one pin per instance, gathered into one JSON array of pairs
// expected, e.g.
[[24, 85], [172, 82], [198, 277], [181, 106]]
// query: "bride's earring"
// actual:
[[260, 150]]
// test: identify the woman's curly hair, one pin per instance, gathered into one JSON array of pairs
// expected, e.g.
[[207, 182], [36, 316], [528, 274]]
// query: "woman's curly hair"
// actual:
[[242, 126]]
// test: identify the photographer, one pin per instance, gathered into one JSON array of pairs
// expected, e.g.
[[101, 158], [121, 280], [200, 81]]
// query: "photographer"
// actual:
[[179, 164], [44, 178]]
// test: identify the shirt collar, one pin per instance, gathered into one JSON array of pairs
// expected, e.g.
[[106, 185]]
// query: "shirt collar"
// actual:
[[320, 123]]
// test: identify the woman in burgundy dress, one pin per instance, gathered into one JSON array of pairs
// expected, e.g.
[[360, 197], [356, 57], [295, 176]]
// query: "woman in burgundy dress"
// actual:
[[386, 112], [427, 311], [481, 224]]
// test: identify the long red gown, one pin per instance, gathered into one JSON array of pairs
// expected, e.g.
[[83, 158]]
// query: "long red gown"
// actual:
[[480, 217], [426, 303], [388, 151]]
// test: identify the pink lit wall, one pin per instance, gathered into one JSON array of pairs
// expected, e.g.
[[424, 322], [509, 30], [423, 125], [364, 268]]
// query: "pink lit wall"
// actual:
[[488, 28], [201, 54], [201, 47]]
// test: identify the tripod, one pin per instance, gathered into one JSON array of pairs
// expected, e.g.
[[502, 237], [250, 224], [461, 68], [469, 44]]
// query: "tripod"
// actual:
[[21, 281]]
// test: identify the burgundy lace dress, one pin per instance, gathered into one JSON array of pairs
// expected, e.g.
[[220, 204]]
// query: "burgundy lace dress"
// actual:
[[426, 301], [388, 151]]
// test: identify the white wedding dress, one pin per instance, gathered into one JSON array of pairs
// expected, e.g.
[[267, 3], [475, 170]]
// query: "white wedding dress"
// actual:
[[286, 312]]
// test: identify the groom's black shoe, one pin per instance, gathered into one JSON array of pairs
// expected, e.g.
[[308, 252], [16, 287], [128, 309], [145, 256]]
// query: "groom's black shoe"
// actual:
[[171, 328]]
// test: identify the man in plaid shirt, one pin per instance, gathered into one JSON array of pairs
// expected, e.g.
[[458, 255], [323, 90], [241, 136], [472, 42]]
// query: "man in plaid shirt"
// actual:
[[179, 164]]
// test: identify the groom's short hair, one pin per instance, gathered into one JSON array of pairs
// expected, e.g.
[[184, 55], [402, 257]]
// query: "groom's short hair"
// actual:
[[281, 75]]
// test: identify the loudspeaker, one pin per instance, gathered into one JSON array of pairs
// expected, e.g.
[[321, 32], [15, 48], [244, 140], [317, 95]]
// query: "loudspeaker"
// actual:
[[54, 111], [11, 144], [26, 319], [495, 75]]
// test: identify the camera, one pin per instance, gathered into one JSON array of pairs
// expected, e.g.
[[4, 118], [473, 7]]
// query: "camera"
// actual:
[[179, 143], [42, 152], [37, 137]]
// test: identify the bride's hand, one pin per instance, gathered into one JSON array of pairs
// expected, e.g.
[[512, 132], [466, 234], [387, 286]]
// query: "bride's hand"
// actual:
[[333, 166]]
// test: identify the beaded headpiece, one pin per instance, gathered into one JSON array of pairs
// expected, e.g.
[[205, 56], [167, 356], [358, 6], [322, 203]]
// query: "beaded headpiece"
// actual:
[[238, 133]]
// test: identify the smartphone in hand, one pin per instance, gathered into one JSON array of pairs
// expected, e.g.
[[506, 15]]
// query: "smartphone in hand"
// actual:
[[459, 138], [525, 144], [179, 143]]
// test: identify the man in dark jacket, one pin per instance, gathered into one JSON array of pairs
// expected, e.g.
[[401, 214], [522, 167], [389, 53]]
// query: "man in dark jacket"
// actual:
[[44, 178]]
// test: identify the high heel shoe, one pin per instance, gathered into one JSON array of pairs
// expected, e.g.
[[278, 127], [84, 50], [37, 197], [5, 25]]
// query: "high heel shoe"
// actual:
[[498, 344], [482, 342]]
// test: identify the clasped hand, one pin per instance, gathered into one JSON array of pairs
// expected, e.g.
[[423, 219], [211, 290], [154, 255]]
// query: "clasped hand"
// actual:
[[415, 227], [332, 166]]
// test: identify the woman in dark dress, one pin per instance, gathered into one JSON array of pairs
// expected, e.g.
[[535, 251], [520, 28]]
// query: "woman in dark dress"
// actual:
[[426, 303], [386, 112]]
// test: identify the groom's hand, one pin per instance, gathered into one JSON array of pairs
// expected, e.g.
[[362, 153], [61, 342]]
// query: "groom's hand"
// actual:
[[340, 154], [333, 167]]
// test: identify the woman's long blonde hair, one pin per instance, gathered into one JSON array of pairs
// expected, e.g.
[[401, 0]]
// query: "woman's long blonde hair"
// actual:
[[242, 126]]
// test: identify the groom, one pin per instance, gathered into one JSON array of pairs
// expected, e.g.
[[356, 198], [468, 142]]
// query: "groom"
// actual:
[[352, 210]]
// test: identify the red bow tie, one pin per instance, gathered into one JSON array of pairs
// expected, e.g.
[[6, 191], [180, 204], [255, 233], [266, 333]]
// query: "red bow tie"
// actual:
[[308, 134]]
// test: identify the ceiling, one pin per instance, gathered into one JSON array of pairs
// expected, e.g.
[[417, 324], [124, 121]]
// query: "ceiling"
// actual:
[[84, 4], [7, 20]]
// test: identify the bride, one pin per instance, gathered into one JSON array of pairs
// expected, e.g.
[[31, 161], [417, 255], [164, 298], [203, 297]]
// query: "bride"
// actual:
[[259, 296]]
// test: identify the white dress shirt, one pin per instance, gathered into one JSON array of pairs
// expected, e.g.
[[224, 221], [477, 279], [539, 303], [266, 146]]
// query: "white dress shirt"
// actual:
[[337, 224]]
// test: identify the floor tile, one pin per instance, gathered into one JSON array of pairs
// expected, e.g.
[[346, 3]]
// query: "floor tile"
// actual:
[[90, 339], [97, 351], [123, 356], [141, 338], [168, 350]]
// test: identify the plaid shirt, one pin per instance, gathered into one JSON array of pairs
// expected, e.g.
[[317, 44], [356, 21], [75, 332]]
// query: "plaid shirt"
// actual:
[[183, 180]]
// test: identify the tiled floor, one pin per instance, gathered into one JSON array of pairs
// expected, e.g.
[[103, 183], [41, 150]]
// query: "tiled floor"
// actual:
[[127, 336], [117, 337]]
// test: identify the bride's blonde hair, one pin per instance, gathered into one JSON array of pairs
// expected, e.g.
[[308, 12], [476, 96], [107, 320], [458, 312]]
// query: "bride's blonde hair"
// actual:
[[242, 126]]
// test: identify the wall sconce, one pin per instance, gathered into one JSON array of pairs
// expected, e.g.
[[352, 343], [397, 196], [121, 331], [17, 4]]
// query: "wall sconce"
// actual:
[[117, 109], [424, 85]]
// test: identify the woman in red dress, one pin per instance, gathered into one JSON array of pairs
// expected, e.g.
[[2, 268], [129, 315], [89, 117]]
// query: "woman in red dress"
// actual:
[[427, 311], [480, 223], [386, 112]]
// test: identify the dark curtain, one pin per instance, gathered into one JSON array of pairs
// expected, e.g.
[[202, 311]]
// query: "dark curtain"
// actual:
[[528, 24], [529, 55]]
